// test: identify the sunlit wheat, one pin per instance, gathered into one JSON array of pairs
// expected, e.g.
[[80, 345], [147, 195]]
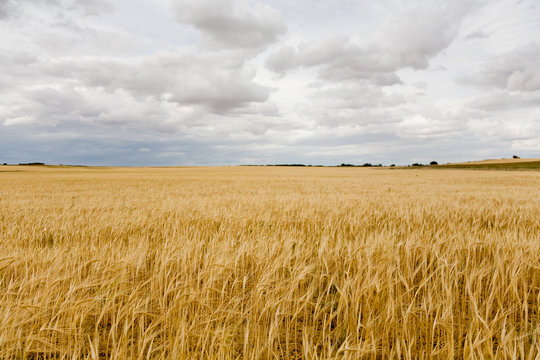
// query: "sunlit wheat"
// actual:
[[269, 263]]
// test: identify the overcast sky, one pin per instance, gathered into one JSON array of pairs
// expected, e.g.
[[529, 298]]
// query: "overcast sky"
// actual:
[[225, 82]]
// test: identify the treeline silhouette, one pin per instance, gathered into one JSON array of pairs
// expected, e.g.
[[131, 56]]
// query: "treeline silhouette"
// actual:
[[350, 165]]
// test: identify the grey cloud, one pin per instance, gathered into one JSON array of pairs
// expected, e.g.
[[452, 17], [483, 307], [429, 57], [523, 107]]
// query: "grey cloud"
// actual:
[[231, 23], [41, 32], [283, 60], [68, 107], [53, 106], [83, 7], [47, 106], [516, 131], [239, 128], [406, 41], [416, 36], [358, 97], [362, 103], [90, 7], [503, 100], [517, 70], [352, 104], [265, 109], [336, 55], [6, 8], [87, 144], [68, 70], [216, 81], [68, 36], [479, 34], [73, 72], [17, 69], [338, 59], [421, 126], [178, 92], [436, 121]]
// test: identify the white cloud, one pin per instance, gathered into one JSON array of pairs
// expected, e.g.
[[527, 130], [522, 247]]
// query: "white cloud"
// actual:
[[231, 23], [352, 104], [408, 40], [500, 100], [217, 81], [162, 92], [517, 70], [478, 34], [81, 7], [6, 7], [18, 120], [420, 126]]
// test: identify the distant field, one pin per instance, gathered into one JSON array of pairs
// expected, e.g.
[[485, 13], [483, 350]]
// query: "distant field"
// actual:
[[268, 263], [500, 164]]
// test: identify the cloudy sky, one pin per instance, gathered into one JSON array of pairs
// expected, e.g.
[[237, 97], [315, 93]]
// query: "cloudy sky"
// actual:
[[224, 82]]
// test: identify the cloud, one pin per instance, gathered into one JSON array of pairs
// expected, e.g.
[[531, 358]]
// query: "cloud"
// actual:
[[89, 7], [218, 82], [6, 8], [517, 70], [351, 104], [82, 7], [478, 34], [430, 127], [412, 38], [520, 132], [337, 59], [408, 40], [231, 24], [499, 100], [356, 96], [68, 106], [66, 72], [203, 94]]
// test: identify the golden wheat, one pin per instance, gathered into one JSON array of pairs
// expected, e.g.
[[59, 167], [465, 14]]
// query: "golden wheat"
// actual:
[[268, 263]]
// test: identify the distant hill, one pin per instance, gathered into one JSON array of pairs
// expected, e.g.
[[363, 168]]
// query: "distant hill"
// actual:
[[500, 164]]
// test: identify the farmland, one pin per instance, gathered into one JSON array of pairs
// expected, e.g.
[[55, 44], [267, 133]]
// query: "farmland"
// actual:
[[497, 164], [268, 263]]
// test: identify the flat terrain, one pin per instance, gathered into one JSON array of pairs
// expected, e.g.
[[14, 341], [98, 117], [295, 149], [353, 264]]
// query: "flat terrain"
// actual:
[[268, 263]]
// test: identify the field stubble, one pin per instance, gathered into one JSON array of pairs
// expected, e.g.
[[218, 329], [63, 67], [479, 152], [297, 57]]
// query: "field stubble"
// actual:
[[269, 263]]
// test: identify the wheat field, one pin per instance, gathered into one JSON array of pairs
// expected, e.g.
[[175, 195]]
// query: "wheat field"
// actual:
[[269, 263]]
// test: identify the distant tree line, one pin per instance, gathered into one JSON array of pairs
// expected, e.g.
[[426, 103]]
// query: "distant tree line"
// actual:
[[363, 165], [433, 163]]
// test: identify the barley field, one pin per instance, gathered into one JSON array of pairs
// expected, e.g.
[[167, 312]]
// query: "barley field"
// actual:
[[269, 263]]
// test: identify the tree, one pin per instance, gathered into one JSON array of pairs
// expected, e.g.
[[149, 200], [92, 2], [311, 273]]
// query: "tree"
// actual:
[[433, 163]]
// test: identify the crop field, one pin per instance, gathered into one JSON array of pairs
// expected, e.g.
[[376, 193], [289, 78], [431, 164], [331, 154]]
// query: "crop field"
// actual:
[[497, 164], [269, 263]]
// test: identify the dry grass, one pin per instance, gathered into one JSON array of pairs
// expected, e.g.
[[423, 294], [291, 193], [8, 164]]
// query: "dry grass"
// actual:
[[497, 164], [498, 161], [269, 263]]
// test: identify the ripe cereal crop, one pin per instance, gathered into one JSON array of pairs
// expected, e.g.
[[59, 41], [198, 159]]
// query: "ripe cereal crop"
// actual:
[[269, 263]]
